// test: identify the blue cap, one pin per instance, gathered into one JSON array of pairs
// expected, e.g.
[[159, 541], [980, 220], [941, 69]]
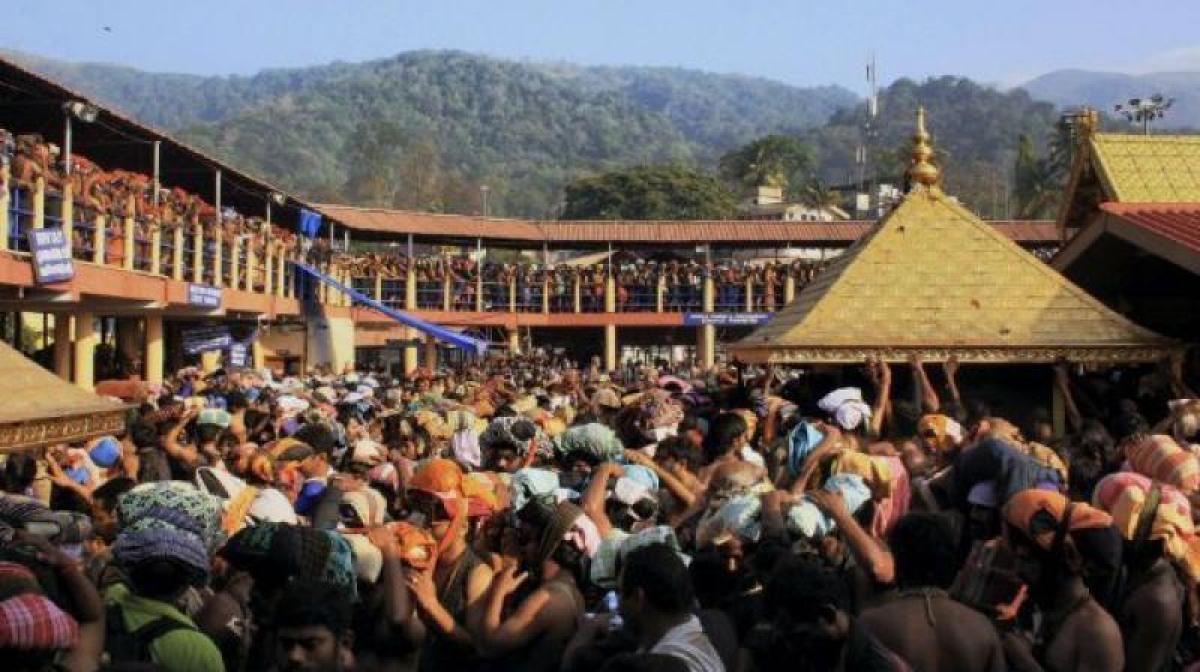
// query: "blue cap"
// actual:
[[106, 452]]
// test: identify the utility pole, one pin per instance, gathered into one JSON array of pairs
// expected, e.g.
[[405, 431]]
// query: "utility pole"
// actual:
[[1144, 110]]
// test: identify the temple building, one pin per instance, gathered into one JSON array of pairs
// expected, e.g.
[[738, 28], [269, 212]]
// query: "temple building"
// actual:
[[1130, 224], [933, 280]]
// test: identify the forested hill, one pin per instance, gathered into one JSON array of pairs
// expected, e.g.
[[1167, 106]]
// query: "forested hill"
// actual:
[[453, 121], [424, 130]]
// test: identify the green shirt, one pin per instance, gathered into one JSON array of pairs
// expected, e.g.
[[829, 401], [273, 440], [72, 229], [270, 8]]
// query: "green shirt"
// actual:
[[182, 650]]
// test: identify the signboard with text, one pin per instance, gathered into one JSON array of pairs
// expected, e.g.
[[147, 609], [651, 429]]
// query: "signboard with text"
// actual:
[[203, 296], [51, 256], [206, 339], [725, 319]]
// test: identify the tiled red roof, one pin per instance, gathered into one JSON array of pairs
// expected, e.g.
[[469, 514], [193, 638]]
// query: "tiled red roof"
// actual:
[[1179, 224], [379, 220]]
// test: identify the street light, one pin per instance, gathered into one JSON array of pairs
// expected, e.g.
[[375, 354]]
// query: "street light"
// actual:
[[1144, 110], [75, 109]]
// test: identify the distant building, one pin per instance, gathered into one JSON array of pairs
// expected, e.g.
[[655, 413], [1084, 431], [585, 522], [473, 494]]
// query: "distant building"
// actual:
[[768, 203]]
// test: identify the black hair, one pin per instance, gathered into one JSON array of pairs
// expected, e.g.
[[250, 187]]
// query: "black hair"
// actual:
[[644, 662], [20, 470], [158, 579], [235, 400], [662, 577], [924, 550], [143, 435], [318, 436], [207, 432], [801, 587], [905, 417], [724, 431], [106, 495], [677, 448], [314, 603], [713, 582]]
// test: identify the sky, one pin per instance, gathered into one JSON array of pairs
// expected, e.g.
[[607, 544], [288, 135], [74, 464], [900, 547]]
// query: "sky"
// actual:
[[803, 43]]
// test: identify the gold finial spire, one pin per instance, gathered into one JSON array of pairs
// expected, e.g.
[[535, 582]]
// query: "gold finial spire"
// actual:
[[922, 170]]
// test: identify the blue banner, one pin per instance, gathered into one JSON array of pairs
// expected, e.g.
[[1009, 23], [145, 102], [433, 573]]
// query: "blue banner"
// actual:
[[203, 296], [310, 223], [52, 260], [206, 339], [448, 336], [725, 319]]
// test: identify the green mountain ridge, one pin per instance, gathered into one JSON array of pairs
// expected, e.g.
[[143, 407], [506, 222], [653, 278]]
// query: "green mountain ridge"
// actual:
[[425, 129]]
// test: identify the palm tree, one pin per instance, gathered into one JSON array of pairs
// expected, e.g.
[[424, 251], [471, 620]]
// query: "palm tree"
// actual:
[[818, 196]]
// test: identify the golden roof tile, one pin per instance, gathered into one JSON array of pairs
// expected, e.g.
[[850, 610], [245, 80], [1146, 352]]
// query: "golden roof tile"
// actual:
[[41, 409], [933, 279], [1148, 168]]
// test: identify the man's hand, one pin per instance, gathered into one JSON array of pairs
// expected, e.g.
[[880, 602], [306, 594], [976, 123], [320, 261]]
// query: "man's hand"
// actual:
[[950, 367], [421, 587], [508, 579], [384, 539]]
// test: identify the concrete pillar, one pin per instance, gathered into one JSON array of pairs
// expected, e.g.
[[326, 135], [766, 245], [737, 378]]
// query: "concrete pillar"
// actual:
[[512, 294], [130, 240], [577, 291], [154, 349], [5, 197], [479, 288], [210, 361], [447, 292], [86, 340], [281, 288], [789, 289], [218, 256], [379, 288], [177, 270], [251, 264], [610, 294], [99, 239], [431, 353], [268, 269], [235, 249], [156, 247], [749, 294], [410, 352], [514, 340], [610, 347], [68, 214], [62, 345], [197, 253], [706, 337], [39, 203], [410, 288], [546, 295], [259, 355], [660, 292]]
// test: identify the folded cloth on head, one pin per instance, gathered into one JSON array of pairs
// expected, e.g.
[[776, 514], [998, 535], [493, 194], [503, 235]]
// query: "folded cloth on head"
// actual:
[[105, 452], [619, 544], [182, 548], [739, 516], [279, 552], [173, 504], [1039, 515], [291, 405], [1124, 496], [642, 475], [594, 439], [808, 521], [945, 431], [875, 471], [801, 442], [516, 433], [17, 579], [568, 524], [465, 446], [1162, 459], [846, 406], [32, 622], [531, 483], [214, 416]]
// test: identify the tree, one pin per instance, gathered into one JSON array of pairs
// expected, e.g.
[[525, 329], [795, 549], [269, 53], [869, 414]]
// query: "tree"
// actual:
[[772, 161], [648, 192], [818, 196], [374, 153], [1037, 181]]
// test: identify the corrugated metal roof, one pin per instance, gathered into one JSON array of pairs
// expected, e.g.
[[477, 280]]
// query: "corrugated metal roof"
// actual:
[[1178, 223], [380, 220]]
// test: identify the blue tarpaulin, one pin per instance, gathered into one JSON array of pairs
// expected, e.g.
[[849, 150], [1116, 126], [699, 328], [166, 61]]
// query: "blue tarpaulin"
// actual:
[[310, 223], [443, 334]]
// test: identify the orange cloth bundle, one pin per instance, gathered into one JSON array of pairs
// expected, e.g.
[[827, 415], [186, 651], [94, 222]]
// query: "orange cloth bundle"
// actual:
[[1160, 458], [1124, 495]]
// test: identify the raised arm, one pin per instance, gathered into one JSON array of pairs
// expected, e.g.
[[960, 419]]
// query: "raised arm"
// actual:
[[929, 398], [868, 552], [950, 368], [881, 377]]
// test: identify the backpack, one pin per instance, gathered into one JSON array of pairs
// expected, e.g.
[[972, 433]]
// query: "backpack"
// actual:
[[123, 647]]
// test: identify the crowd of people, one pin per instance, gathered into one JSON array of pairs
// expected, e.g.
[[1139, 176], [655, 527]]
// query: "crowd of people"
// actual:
[[530, 514], [116, 195], [637, 283]]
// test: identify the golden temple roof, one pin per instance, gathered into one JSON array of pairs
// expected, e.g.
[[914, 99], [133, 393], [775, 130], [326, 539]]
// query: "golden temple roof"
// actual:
[[1148, 168], [933, 279], [41, 409]]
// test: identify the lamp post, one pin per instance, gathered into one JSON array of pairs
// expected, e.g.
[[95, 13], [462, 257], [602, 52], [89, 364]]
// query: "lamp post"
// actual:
[[75, 109], [1144, 110], [483, 193]]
